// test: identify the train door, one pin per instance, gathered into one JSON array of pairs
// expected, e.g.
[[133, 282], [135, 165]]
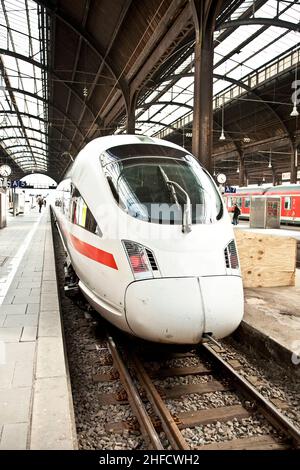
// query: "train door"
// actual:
[[295, 208], [246, 206], [286, 207]]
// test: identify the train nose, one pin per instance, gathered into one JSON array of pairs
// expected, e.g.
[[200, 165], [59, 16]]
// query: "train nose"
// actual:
[[165, 310], [223, 303], [181, 310]]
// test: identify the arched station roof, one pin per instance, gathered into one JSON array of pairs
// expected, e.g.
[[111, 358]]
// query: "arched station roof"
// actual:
[[70, 70]]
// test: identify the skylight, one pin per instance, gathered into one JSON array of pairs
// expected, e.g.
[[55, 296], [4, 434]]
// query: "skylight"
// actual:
[[23, 106]]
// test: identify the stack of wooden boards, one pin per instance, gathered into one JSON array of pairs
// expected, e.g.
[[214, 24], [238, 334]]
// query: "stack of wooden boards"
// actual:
[[266, 260]]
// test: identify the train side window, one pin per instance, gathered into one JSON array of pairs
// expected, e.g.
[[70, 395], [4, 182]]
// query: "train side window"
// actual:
[[81, 214], [247, 201], [288, 203], [239, 201], [91, 224], [73, 211]]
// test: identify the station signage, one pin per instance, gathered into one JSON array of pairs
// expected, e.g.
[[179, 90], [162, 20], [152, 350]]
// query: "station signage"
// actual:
[[17, 184], [287, 176], [230, 189]]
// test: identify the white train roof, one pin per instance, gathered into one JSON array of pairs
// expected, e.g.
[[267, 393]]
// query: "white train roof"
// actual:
[[94, 148]]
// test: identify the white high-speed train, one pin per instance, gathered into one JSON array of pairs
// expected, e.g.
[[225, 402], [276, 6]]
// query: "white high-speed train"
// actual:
[[150, 240]]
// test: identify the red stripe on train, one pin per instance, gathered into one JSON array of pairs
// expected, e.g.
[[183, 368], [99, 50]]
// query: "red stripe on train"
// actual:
[[93, 253]]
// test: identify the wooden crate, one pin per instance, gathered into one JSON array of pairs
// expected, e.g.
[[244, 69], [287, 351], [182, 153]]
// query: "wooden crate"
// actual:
[[266, 260]]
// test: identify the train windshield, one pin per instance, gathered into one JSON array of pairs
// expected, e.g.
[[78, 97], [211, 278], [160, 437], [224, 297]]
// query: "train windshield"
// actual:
[[162, 189]]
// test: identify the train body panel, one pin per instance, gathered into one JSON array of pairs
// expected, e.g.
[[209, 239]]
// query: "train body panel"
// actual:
[[289, 197], [159, 279]]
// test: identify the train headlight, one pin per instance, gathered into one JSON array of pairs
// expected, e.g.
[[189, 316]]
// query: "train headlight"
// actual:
[[141, 260]]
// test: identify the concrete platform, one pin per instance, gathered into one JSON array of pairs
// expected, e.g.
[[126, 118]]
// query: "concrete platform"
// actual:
[[36, 409], [284, 230], [272, 320]]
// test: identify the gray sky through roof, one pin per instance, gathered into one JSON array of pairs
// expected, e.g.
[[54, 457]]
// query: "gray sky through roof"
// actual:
[[23, 111]]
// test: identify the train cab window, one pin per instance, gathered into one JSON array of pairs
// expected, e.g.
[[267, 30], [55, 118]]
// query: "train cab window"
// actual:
[[239, 201], [247, 202], [287, 203], [159, 188], [81, 214]]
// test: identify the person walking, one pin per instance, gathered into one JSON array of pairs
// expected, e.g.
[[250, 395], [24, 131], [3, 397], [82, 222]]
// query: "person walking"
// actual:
[[40, 203], [236, 213]]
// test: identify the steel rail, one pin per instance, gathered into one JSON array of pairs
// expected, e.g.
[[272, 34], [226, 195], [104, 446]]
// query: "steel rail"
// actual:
[[169, 426], [271, 413], [134, 398]]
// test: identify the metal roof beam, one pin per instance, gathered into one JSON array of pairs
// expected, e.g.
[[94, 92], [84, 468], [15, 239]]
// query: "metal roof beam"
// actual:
[[39, 131], [31, 138], [167, 103], [54, 74], [256, 94], [78, 29], [178, 27], [260, 21], [13, 101]]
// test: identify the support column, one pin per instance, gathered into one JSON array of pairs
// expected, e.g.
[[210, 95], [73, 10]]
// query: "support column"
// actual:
[[130, 108], [274, 176], [242, 171], [294, 164], [204, 15]]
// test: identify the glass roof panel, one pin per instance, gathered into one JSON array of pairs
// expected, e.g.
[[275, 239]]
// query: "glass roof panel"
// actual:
[[242, 52], [20, 30]]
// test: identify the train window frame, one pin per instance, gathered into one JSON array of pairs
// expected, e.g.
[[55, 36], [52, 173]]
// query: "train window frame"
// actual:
[[247, 202], [89, 217], [187, 158]]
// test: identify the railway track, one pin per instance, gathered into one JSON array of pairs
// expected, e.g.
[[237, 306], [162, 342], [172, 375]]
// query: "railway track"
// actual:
[[154, 418]]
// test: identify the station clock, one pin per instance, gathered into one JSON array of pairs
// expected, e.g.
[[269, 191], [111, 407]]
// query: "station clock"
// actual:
[[5, 170]]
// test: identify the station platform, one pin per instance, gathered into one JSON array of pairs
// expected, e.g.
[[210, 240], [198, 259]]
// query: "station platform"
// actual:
[[272, 320], [272, 314], [36, 410]]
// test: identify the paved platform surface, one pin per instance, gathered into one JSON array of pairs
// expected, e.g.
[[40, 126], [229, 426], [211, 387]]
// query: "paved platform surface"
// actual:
[[284, 230], [36, 410], [272, 320]]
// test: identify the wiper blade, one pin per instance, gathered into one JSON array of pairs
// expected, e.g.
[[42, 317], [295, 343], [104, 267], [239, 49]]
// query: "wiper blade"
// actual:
[[167, 181], [187, 212]]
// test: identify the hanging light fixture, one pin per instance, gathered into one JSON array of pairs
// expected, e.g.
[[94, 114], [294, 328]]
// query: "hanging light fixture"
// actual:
[[238, 169], [270, 160], [222, 136], [294, 112]]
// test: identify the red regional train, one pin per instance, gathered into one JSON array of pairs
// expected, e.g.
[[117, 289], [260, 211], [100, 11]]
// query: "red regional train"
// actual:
[[289, 195]]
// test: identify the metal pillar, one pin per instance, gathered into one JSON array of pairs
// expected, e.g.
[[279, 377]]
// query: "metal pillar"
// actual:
[[130, 108], [242, 171], [274, 178], [204, 15], [294, 164]]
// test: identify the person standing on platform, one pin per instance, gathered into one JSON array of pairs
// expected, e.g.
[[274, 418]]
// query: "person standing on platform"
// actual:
[[40, 203], [236, 213]]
